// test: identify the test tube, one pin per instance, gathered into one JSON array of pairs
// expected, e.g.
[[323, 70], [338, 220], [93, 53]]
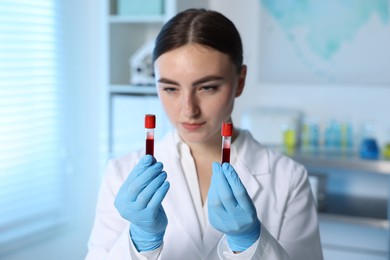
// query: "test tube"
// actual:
[[226, 132], [150, 124]]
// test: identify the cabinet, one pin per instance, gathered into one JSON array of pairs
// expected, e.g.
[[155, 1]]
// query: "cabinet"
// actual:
[[354, 204], [126, 34]]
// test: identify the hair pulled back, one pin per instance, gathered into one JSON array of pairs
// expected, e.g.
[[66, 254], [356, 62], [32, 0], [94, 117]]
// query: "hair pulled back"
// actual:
[[200, 26]]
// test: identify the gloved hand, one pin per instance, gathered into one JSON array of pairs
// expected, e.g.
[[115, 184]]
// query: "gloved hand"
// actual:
[[139, 201], [231, 210]]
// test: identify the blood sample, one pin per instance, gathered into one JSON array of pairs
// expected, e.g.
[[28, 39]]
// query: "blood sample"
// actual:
[[150, 124], [226, 132]]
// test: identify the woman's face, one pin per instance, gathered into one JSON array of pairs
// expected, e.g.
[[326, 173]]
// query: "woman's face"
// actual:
[[197, 87]]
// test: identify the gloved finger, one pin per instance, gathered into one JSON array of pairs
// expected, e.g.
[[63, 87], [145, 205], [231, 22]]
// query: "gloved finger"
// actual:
[[147, 193], [143, 180], [139, 168], [212, 195], [158, 196], [214, 202], [223, 188], [238, 189], [216, 211]]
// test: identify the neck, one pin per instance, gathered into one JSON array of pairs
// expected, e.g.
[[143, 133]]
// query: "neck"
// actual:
[[207, 150], [211, 149]]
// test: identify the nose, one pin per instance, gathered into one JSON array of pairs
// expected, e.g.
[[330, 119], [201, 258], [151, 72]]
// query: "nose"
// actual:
[[190, 106]]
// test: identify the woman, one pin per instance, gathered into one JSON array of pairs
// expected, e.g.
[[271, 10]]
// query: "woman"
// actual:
[[182, 204]]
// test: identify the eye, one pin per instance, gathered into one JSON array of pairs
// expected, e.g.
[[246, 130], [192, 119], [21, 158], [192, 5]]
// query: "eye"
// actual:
[[169, 89], [209, 89]]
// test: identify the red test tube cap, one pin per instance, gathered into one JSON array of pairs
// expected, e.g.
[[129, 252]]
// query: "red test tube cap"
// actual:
[[227, 129], [150, 121]]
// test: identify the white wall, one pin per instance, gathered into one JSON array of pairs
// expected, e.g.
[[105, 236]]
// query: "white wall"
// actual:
[[83, 83], [358, 104]]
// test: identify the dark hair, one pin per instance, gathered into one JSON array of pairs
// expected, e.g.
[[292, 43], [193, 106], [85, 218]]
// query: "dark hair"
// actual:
[[205, 27]]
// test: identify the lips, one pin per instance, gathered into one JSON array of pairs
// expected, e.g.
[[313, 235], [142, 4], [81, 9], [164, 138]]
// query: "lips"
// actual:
[[192, 126]]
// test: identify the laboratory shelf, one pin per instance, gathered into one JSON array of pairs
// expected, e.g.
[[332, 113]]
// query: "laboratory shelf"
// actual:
[[353, 202], [364, 221], [345, 161], [132, 90], [362, 211]]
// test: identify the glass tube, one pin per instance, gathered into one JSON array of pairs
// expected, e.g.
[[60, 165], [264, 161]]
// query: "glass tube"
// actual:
[[226, 132], [150, 124]]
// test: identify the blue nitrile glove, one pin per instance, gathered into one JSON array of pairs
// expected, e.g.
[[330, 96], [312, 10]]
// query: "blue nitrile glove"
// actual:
[[231, 210], [139, 201]]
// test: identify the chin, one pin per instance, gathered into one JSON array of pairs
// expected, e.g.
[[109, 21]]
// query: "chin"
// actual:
[[195, 138], [192, 139]]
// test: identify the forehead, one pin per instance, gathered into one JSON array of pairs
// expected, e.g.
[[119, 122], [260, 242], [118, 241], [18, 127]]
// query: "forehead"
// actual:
[[193, 59]]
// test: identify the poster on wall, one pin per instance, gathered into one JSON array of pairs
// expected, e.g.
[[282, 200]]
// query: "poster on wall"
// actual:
[[325, 42]]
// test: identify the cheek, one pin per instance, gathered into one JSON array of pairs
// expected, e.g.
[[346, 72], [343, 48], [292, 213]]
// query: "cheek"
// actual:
[[228, 98], [223, 106]]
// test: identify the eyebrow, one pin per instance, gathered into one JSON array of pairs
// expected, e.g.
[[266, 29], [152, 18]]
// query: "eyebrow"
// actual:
[[197, 82]]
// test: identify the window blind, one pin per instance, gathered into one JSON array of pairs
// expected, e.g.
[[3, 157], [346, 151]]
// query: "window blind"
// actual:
[[31, 171]]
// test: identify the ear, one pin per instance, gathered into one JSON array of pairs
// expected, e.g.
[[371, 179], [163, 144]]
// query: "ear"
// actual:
[[241, 81]]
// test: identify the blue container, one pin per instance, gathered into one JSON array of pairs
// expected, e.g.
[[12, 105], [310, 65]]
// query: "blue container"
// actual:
[[369, 149], [140, 7]]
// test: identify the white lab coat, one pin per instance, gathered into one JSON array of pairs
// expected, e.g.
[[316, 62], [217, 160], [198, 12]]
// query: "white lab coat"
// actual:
[[277, 185]]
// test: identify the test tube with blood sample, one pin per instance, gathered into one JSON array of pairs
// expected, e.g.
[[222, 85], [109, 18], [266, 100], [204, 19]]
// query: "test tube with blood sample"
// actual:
[[150, 124], [226, 132]]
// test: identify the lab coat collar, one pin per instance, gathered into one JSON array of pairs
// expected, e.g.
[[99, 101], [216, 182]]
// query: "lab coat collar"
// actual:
[[250, 154], [246, 155]]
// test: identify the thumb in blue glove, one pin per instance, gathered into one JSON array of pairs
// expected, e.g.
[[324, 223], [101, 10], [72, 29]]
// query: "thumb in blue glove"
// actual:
[[231, 210], [139, 201]]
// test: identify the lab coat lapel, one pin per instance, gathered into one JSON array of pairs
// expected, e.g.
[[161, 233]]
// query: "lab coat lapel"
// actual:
[[181, 204], [248, 179], [249, 165], [211, 238]]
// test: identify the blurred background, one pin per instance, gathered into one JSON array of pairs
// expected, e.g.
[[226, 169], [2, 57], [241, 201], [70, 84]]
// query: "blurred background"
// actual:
[[76, 80]]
